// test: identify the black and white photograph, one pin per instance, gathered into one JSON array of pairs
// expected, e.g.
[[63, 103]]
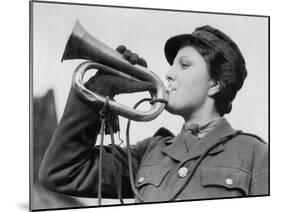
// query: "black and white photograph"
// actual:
[[135, 105]]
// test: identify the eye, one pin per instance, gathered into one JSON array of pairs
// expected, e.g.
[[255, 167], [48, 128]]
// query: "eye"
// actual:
[[185, 65], [184, 62]]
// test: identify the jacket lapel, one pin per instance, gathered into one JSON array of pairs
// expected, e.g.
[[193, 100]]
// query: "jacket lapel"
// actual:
[[222, 130], [176, 148], [179, 150]]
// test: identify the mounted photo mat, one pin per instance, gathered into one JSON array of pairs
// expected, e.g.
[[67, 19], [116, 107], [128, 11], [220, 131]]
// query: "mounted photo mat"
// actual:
[[71, 43]]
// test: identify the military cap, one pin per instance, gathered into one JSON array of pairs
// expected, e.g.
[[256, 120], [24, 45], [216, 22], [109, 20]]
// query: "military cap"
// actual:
[[212, 38]]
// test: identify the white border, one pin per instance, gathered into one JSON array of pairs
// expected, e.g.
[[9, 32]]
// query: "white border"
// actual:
[[15, 116]]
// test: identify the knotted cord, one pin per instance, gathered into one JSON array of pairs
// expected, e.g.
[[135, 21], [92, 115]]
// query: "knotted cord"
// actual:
[[103, 115], [152, 101], [118, 180]]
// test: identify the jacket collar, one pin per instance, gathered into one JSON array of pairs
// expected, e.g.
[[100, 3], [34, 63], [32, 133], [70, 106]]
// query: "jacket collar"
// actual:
[[179, 150]]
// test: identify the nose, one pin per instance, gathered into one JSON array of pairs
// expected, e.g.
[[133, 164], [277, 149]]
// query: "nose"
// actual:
[[170, 75]]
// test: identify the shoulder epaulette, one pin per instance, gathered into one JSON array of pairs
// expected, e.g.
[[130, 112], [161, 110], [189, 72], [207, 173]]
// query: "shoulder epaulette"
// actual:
[[252, 135], [164, 132]]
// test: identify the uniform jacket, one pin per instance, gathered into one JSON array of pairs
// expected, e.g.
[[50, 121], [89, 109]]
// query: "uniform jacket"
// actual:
[[223, 163]]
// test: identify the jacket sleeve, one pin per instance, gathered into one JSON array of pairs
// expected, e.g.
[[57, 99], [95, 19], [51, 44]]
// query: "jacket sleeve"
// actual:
[[259, 181], [70, 164]]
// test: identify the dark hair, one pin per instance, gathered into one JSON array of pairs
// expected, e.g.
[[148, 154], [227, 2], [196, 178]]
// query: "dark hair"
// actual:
[[220, 71]]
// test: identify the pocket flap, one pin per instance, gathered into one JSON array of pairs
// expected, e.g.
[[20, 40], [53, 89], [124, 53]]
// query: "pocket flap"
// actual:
[[227, 177], [151, 175]]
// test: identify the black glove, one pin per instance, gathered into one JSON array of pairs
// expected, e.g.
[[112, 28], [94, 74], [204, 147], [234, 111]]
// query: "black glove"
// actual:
[[130, 56]]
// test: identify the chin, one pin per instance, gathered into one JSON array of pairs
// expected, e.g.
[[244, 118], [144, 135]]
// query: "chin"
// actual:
[[170, 110], [178, 109], [174, 110]]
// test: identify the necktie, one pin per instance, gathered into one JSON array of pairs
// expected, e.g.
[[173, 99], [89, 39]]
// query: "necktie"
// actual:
[[201, 131], [193, 128]]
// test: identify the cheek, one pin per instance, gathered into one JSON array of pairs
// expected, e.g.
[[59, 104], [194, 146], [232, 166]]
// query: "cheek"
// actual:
[[194, 88], [191, 92]]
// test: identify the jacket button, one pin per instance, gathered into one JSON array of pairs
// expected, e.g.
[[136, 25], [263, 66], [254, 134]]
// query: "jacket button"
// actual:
[[229, 181], [141, 179], [183, 172]]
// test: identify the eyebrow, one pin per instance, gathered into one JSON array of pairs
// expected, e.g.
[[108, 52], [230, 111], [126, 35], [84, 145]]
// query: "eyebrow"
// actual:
[[184, 57]]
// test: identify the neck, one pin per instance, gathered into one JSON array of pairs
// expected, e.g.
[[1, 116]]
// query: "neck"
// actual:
[[202, 117]]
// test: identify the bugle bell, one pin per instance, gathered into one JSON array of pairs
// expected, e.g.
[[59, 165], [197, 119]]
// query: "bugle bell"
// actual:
[[82, 45]]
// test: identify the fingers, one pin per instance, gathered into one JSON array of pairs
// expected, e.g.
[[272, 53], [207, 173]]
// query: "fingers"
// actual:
[[127, 54], [142, 62], [121, 49], [133, 58]]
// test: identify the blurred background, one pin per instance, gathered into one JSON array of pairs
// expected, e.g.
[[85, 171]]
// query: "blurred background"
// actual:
[[145, 32]]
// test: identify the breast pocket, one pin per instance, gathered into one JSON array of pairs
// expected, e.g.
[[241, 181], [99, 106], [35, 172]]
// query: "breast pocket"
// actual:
[[227, 178], [151, 175]]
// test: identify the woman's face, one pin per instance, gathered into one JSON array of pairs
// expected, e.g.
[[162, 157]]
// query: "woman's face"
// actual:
[[189, 82]]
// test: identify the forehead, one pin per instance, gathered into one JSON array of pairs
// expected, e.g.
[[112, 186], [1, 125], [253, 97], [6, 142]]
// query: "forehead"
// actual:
[[189, 52]]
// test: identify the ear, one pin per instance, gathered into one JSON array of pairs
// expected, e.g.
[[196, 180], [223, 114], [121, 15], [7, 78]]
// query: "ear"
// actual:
[[214, 87]]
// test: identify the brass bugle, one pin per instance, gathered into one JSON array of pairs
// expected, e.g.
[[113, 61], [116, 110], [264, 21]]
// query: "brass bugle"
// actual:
[[82, 45]]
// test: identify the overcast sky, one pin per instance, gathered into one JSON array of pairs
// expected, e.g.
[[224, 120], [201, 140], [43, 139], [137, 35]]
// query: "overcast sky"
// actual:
[[145, 32]]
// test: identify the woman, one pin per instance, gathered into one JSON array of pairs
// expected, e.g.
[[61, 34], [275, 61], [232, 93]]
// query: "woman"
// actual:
[[207, 159]]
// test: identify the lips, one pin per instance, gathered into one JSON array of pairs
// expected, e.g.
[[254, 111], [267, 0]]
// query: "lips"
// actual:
[[170, 89]]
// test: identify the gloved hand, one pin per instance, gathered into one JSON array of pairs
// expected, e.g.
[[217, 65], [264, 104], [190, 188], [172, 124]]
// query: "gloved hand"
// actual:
[[130, 56], [107, 84]]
